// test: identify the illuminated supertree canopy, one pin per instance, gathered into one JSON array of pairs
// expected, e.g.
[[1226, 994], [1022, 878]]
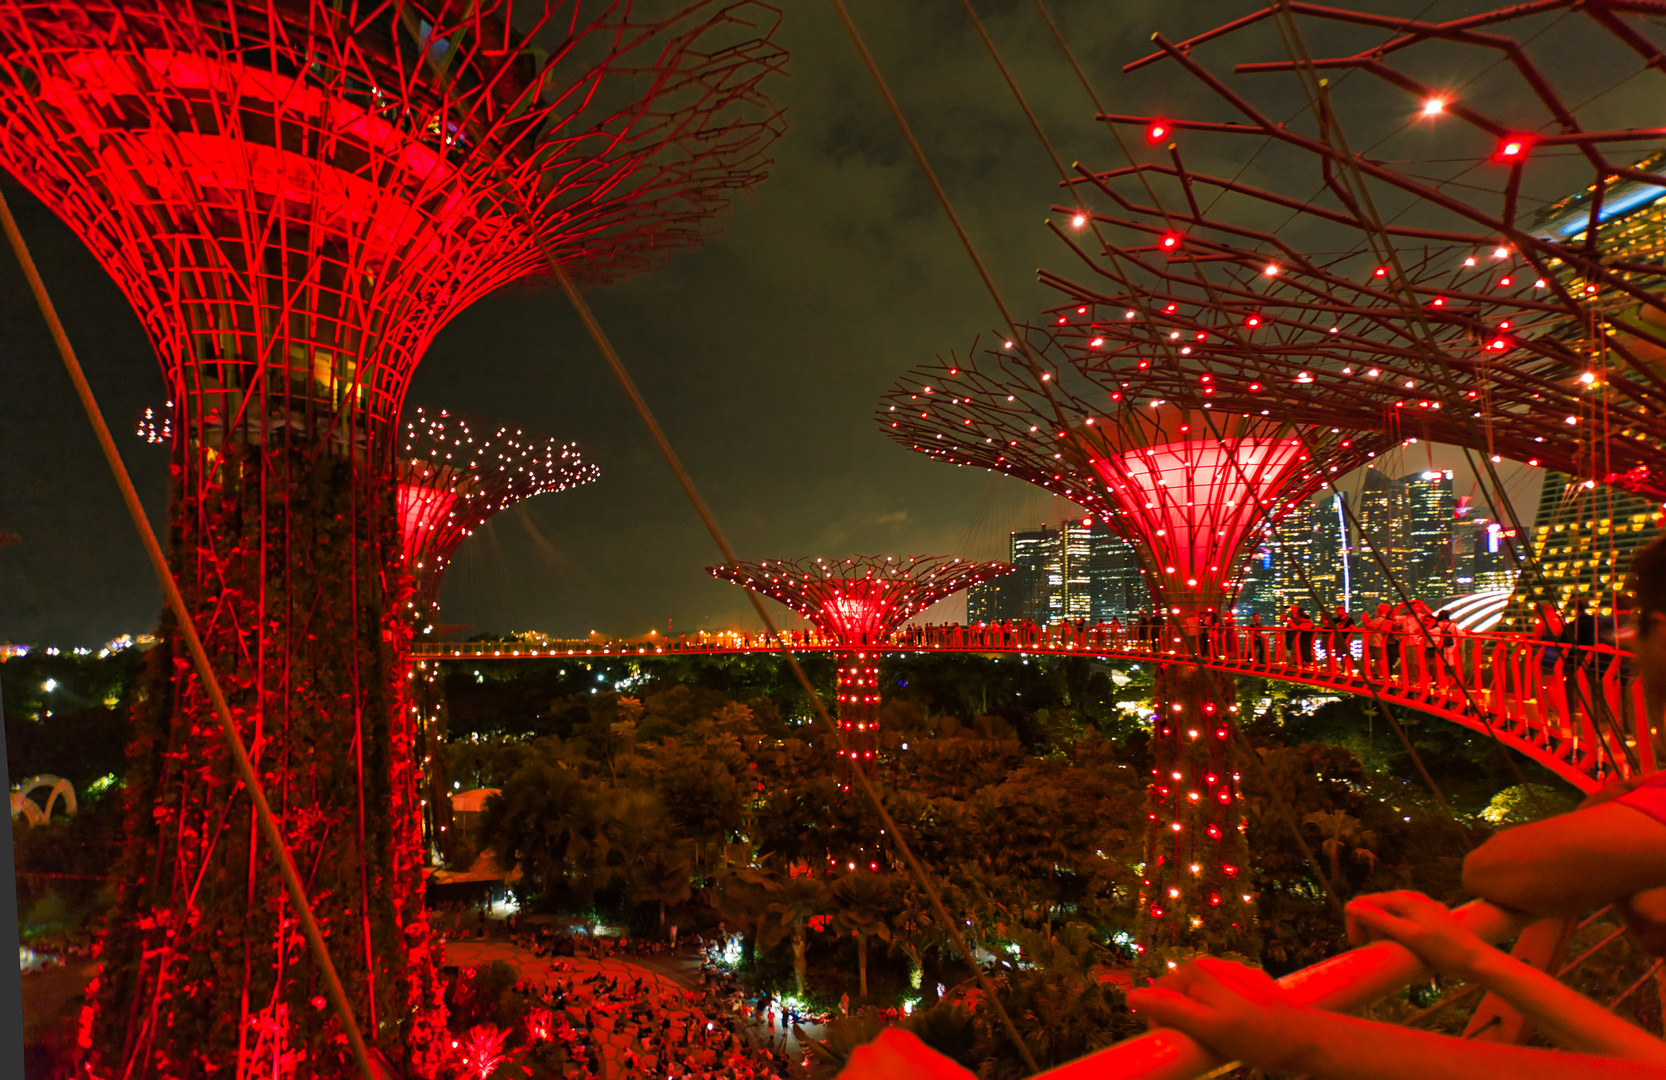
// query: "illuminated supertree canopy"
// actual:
[[863, 599], [1480, 266], [451, 481], [1189, 484], [855, 602], [296, 196]]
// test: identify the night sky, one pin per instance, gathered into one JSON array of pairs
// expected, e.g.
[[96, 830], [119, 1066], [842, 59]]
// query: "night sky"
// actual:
[[762, 353]]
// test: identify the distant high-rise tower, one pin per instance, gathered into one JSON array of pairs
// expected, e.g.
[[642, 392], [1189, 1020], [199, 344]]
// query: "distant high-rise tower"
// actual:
[[1379, 505], [1080, 570], [1293, 547], [1426, 558], [1115, 577], [1035, 554]]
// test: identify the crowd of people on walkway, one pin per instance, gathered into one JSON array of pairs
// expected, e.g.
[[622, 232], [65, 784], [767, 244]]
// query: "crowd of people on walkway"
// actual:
[[646, 1028], [619, 1013]]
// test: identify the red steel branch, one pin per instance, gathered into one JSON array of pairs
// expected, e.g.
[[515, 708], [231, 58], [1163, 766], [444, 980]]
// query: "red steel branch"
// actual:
[[1492, 261]]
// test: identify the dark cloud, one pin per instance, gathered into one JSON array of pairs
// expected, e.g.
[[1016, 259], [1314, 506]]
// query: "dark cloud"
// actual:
[[763, 353]]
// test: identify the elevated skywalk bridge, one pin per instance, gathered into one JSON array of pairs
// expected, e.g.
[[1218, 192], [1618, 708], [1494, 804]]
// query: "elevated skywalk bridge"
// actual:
[[1576, 710]]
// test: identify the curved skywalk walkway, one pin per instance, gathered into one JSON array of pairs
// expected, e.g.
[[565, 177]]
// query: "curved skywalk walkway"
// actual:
[[1575, 711]]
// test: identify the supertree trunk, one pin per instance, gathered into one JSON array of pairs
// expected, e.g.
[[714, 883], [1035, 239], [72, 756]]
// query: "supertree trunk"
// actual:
[[1193, 894], [432, 717], [287, 556]]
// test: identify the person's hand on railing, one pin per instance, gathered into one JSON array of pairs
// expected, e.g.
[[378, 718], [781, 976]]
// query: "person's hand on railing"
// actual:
[[1568, 1019], [1237, 1012], [1422, 925]]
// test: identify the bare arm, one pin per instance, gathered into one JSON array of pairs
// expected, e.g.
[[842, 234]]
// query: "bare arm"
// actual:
[[1567, 1018], [1346, 1048], [1569, 864], [1241, 1014]]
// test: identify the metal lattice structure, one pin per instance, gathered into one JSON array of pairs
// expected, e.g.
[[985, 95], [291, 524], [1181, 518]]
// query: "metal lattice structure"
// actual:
[[1190, 485], [1186, 482], [860, 600], [452, 481], [1434, 276], [296, 196], [858, 603]]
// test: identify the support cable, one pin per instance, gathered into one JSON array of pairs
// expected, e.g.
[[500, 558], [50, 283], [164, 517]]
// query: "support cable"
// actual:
[[1017, 337], [239, 754], [868, 789]]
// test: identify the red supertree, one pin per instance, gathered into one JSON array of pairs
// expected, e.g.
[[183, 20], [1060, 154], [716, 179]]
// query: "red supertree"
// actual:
[[1189, 485], [296, 196], [858, 604], [452, 481]]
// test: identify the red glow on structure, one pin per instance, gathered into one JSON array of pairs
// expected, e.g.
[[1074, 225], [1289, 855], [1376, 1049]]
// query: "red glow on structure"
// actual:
[[452, 481], [1513, 148], [1170, 241], [1193, 500], [1157, 132], [295, 204], [862, 599]]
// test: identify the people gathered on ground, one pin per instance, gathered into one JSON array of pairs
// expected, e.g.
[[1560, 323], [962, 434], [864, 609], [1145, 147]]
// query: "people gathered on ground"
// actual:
[[628, 1022]]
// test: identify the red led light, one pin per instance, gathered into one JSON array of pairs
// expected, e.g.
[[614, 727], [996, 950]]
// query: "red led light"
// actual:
[[1157, 132], [1513, 147], [1253, 321], [1170, 241]]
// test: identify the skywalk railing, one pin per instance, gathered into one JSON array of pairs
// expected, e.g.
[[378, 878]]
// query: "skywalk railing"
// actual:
[[1575, 707]]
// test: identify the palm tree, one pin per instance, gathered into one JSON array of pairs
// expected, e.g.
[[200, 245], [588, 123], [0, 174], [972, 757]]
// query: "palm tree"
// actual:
[[1339, 830], [543, 823], [792, 904], [662, 877], [742, 897], [862, 906]]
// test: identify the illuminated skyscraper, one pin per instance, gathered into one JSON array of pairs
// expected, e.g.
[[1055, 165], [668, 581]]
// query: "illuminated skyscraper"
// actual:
[[1425, 568], [1379, 503], [1115, 577], [1584, 536], [1082, 570]]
